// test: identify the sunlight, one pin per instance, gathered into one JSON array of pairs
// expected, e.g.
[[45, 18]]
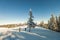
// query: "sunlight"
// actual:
[[37, 35], [20, 36], [3, 30]]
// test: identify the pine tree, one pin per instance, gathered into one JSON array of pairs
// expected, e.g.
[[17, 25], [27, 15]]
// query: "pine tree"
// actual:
[[52, 23], [59, 23], [30, 21], [56, 24]]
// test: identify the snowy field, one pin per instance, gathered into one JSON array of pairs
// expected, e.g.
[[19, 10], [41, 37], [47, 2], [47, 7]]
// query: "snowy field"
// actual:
[[37, 33]]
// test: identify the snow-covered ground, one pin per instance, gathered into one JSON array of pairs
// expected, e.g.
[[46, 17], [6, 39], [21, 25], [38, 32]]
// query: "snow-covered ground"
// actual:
[[37, 33]]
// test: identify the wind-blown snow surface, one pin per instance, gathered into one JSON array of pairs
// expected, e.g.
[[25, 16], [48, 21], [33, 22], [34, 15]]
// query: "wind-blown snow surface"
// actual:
[[37, 33]]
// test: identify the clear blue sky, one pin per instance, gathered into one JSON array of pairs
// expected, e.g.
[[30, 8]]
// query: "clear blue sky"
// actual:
[[16, 11]]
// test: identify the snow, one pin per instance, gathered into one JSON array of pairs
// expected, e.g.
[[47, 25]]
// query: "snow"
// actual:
[[36, 33]]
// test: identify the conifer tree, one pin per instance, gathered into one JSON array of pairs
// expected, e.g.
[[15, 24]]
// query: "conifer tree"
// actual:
[[52, 24], [59, 23], [30, 21]]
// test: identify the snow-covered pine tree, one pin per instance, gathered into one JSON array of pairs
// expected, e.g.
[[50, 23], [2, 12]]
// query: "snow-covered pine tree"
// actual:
[[30, 21], [52, 24], [59, 23]]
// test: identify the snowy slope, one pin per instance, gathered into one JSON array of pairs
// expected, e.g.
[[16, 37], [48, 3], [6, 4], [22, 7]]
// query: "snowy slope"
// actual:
[[37, 33]]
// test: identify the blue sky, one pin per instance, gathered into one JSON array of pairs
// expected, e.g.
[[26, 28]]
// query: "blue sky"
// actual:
[[17, 11]]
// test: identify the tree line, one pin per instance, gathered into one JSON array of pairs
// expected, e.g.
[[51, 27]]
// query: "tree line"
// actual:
[[53, 23]]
